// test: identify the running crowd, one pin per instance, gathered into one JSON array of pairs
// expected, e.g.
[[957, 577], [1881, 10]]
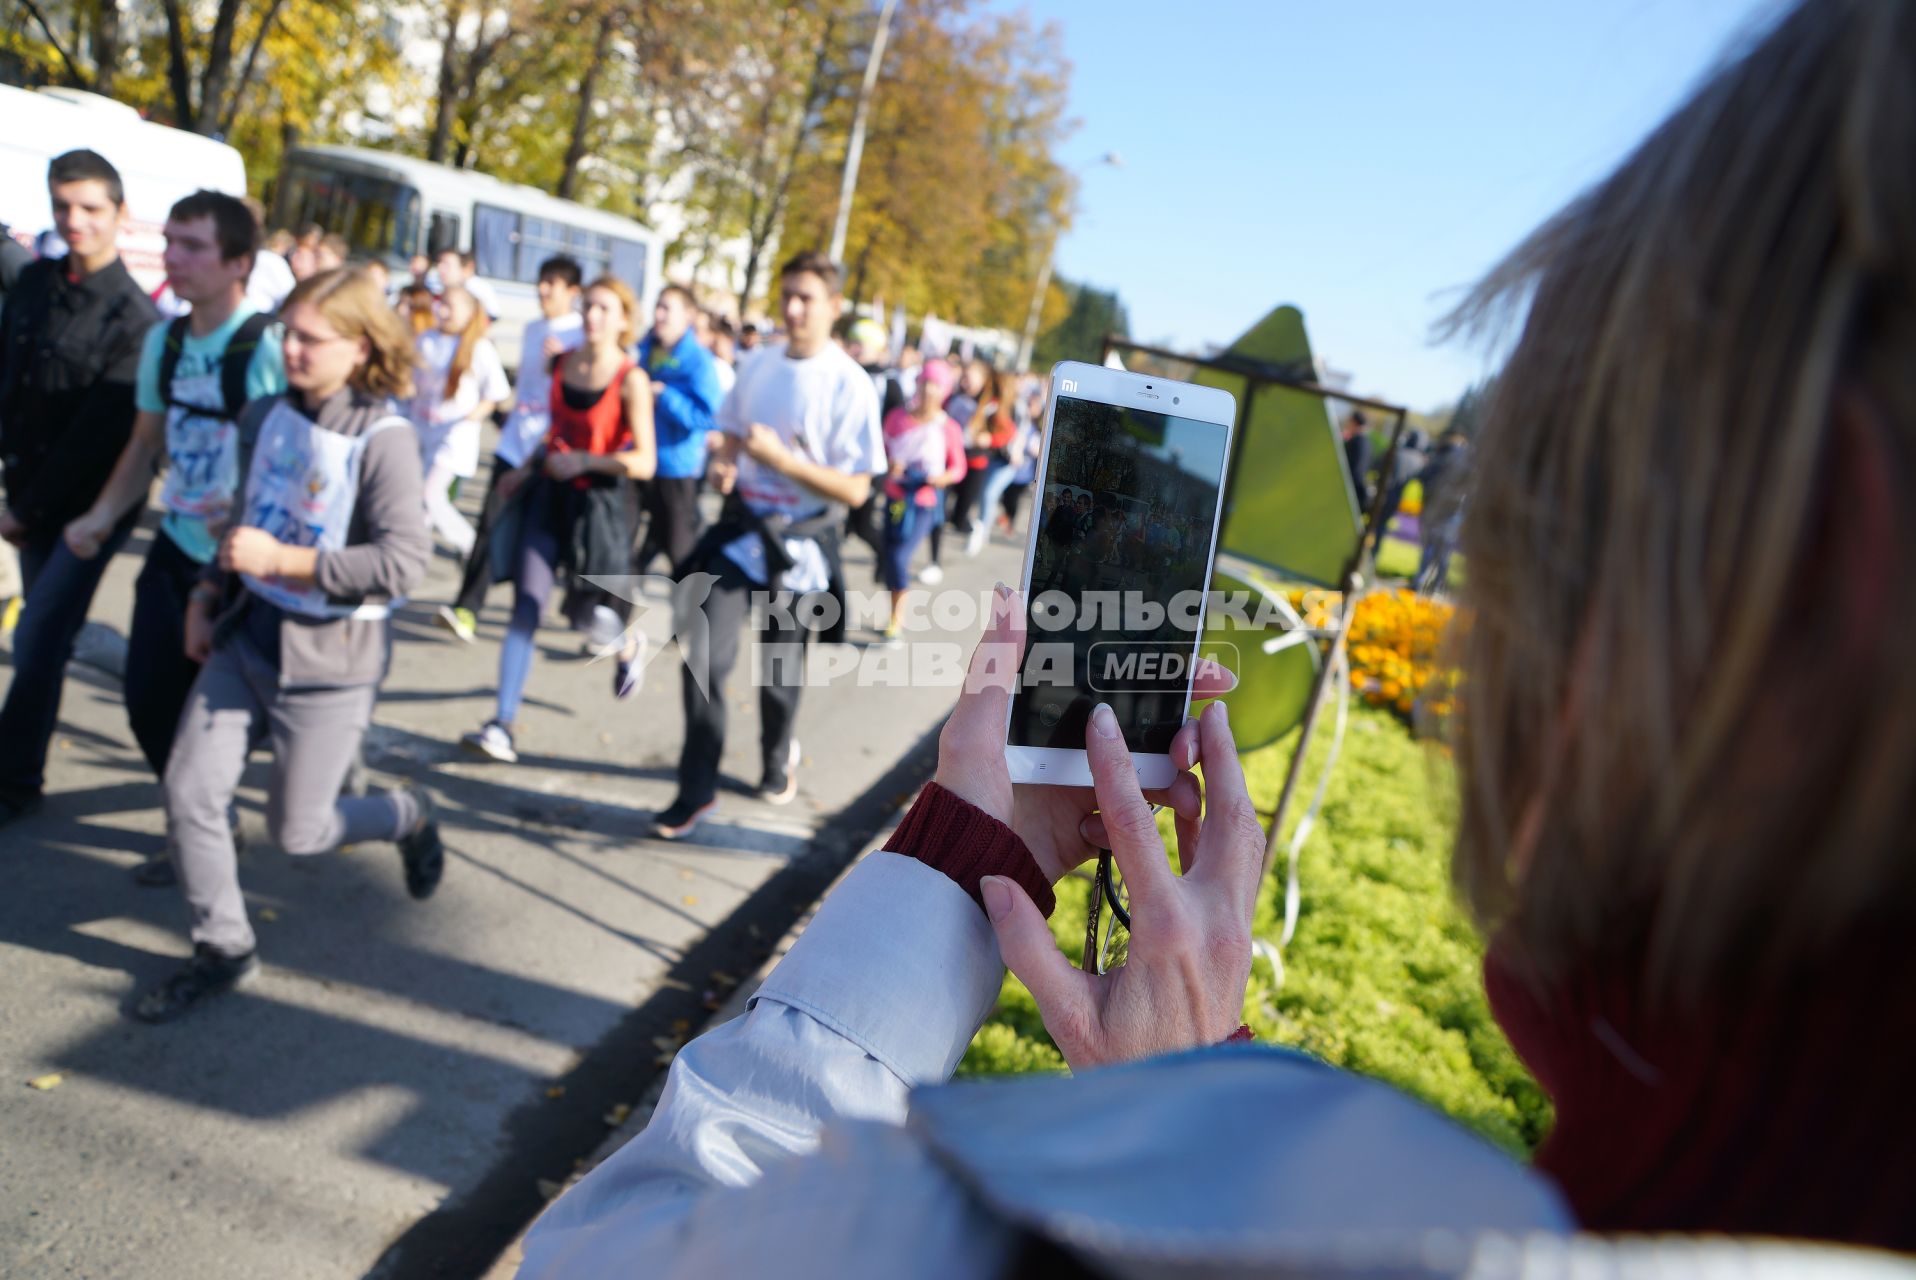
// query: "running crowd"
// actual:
[[313, 421]]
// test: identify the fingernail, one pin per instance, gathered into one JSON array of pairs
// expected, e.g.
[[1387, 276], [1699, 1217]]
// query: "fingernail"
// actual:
[[1002, 589], [1104, 720], [997, 896], [1223, 712]]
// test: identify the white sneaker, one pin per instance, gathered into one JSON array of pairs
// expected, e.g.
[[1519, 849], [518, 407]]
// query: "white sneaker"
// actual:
[[975, 540], [493, 740], [931, 575]]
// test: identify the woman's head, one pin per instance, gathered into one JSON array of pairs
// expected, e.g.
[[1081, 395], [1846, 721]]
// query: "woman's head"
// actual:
[[935, 382], [338, 330], [611, 313], [458, 311], [977, 377], [1688, 727]]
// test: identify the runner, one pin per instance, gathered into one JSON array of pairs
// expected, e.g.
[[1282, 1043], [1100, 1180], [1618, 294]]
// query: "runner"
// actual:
[[294, 634], [959, 407], [577, 507], [195, 374], [459, 384], [926, 453], [801, 444], [556, 331], [461, 271], [1024, 457], [69, 353], [686, 392], [994, 429]]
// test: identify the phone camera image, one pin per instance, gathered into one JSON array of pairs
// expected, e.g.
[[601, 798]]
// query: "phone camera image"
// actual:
[[1118, 573]]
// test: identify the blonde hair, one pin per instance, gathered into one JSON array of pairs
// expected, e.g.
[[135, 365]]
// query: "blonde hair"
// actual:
[[1677, 749], [477, 322], [354, 306], [628, 300]]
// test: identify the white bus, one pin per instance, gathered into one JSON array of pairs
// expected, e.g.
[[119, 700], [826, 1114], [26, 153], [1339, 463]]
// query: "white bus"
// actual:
[[392, 207], [158, 165]]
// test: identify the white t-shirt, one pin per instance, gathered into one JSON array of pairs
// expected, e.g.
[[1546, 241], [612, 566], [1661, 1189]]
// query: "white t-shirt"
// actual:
[[532, 399], [483, 295], [727, 377], [823, 408], [448, 431], [270, 282]]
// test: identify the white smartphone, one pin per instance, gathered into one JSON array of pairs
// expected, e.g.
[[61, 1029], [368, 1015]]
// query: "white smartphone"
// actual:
[[1117, 566]]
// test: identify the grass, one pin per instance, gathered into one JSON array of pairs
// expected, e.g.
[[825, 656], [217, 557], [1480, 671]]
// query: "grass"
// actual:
[[1383, 975]]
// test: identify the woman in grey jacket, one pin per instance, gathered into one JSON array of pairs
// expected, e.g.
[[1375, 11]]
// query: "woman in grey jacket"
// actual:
[[291, 624]]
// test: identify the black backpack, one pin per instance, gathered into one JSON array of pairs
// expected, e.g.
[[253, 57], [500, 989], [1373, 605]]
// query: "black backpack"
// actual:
[[233, 364]]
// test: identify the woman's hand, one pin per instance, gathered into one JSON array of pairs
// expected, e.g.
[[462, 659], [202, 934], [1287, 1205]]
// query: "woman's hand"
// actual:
[[567, 466], [249, 550], [1182, 983], [1059, 825], [199, 629]]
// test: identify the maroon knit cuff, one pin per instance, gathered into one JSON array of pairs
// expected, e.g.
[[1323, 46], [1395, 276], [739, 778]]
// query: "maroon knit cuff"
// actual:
[[952, 835], [1242, 1035]]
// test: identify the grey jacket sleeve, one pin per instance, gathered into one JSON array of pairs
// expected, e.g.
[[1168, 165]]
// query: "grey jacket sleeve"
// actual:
[[392, 558]]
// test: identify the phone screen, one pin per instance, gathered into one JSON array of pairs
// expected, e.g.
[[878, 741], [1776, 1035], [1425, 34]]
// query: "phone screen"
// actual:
[[1125, 519]]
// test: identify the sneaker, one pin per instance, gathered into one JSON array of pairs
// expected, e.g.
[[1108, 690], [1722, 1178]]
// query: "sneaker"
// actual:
[[208, 973], [975, 540], [677, 822], [463, 623], [421, 849], [780, 786], [890, 637], [931, 575], [628, 674], [494, 741]]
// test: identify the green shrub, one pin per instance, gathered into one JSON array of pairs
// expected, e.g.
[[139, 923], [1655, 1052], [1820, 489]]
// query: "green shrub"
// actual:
[[1384, 974]]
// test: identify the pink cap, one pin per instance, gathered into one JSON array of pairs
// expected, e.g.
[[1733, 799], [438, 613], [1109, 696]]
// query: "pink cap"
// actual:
[[939, 374]]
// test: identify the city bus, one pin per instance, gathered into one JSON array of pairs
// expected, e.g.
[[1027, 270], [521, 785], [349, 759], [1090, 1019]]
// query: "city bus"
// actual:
[[392, 207]]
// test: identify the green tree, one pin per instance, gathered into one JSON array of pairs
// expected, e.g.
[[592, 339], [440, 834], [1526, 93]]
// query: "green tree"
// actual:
[[1093, 312]]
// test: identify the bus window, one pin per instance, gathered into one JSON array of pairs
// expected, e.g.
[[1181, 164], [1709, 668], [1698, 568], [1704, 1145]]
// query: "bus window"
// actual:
[[444, 234], [628, 264], [493, 234], [379, 218]]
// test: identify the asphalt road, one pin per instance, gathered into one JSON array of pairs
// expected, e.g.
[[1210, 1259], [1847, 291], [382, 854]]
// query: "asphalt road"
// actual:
[[390, 1095]]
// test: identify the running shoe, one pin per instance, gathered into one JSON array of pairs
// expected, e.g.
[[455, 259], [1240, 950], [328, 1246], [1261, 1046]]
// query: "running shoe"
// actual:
[[931, 575], [421, 850], [494, 741], [678, 821], [780, 786], [975, 540], [208, 973], [628, 674], [463, 623], [890, 637], [603, 631]]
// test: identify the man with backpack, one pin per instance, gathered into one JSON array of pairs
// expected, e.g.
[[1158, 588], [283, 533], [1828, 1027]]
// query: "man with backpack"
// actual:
[[69, 348], [195, 374]]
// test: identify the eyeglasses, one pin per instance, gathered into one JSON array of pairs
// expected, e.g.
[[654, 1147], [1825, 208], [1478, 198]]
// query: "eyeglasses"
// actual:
[[293, 337]]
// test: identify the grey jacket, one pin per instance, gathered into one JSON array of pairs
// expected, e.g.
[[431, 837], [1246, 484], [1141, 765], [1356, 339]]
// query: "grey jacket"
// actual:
[[388, 549]]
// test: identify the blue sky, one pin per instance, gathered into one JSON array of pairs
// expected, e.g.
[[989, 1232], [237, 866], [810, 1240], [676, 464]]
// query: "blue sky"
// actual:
[[1363, 159]]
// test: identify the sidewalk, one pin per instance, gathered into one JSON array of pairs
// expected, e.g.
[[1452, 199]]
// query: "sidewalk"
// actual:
[[392, 1092]]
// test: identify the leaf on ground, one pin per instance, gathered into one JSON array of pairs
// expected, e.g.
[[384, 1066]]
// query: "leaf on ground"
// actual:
[[268, 914], [689, 900], [618, 1115], [556, 1091], [51, 1080]]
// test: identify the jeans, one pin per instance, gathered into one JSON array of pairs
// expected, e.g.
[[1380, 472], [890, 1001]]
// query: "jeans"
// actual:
[[998, 477], [59, 591], [782, 653], [159, 675]]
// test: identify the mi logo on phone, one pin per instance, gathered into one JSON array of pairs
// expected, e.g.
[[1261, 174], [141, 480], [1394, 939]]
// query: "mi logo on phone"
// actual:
[[1068, 384]]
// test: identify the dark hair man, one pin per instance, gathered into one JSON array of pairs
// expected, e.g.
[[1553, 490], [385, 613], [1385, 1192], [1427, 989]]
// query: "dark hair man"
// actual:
[[800, 444], [69, 352], [558, 330], [686, 392], [195, 375], [461, 271]]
